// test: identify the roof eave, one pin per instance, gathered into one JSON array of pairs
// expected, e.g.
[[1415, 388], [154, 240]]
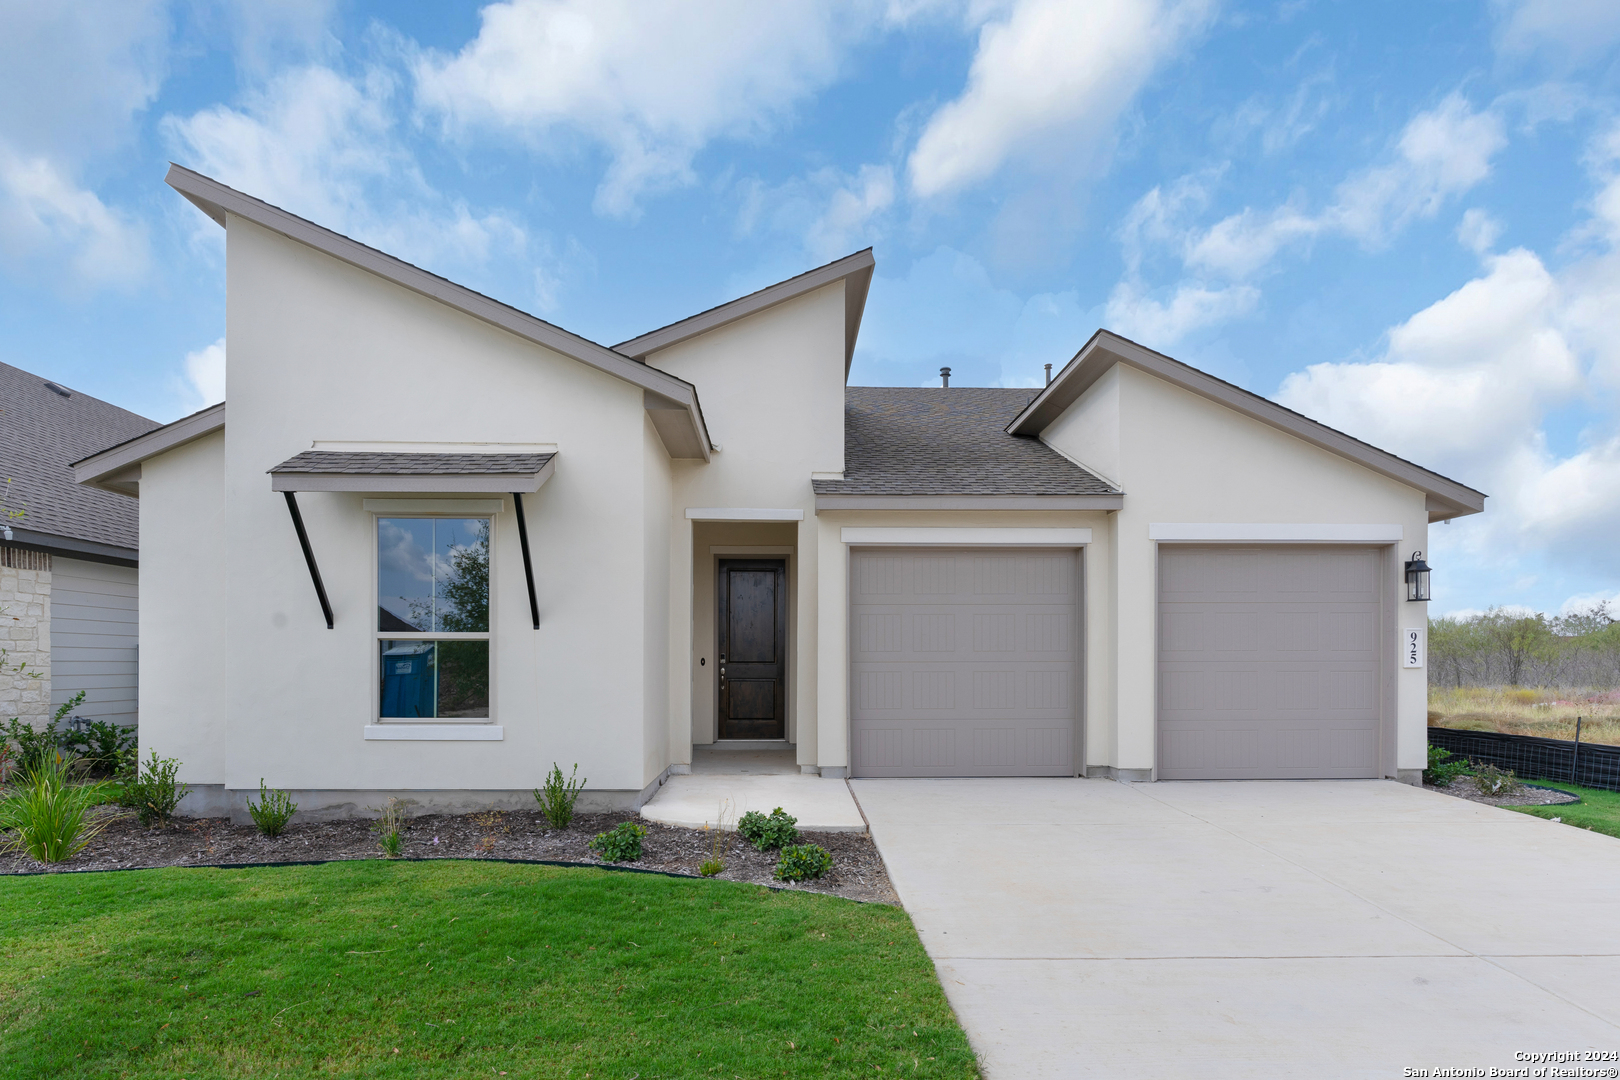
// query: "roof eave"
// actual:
[[1447, 497], [855, 271], [833, 501], [219, 202], [117, 468]]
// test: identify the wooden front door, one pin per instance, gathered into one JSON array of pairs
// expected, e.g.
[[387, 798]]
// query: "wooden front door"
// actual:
[[751, 614]]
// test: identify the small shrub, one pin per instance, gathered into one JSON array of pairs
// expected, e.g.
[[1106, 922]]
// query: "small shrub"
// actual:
[[36, 746], [1494, 781], [711, 867], [390, 828], [275, 808], [557, 797], [622, 843], [100, 745], [47, 813], [1444, 767], [803, 862], [485, 845], [720, 837], [154, 793], [768, 833]]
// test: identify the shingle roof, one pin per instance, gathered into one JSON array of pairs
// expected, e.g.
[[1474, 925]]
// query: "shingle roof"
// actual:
[[948, 441], [42, 432], [383, 463]]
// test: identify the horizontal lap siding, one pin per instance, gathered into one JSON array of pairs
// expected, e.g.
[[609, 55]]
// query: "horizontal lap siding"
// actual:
[[963, 662], [1269, 663], [94, 632]]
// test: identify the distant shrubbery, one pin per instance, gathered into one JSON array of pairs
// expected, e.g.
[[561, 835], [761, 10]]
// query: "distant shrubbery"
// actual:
[[1506, 648]]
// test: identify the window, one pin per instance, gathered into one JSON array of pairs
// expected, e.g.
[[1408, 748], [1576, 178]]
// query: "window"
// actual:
[[433, 618]]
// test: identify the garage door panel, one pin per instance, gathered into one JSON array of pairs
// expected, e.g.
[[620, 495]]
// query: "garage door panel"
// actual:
[[962, 662], [1269, 663]]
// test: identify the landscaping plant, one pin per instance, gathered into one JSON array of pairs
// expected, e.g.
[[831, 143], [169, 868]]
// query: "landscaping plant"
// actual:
[[390, 828], [35, 746], [100, 745], [768, 833], [803, 862], [153, 792], [557, 797], [1494, 781], [720, 836], [1444, 767], [274, 809], [622, 843], [46, 812]]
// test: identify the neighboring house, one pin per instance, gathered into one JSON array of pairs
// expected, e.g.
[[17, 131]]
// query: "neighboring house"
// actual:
[[68, 568], [442, 544]]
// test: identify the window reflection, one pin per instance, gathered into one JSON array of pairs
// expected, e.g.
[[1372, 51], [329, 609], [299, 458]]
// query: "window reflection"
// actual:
[[433, 575], [434, 680]]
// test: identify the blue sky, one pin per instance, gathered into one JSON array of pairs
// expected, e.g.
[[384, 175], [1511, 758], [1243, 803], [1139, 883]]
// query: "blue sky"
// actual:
[[1399, 218]]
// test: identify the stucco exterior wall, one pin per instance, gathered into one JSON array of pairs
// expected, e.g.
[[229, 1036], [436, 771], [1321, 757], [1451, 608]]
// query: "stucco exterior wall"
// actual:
[[184, 559], [323, 352], [656, 601], [1186, 459], [25, 635], [772, 389]]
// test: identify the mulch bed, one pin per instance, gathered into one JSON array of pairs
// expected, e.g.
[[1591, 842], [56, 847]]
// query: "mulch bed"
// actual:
[[857, 872], [1465, 787]]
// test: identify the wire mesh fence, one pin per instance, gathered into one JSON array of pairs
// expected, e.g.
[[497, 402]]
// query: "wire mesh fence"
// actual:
[[1531, 757]]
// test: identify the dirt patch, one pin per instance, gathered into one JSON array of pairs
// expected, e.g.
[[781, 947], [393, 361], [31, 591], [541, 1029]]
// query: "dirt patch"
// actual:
[[1465, 787], [857, 873]]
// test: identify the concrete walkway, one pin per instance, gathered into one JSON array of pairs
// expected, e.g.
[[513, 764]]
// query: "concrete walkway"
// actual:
[[751, 780], [1321, 929]]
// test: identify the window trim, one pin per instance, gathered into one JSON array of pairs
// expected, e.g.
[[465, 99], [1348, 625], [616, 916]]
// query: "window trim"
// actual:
[[475, 509]]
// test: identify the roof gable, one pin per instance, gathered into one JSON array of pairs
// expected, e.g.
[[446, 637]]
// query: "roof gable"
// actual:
[[671, 402], [1447, 498]]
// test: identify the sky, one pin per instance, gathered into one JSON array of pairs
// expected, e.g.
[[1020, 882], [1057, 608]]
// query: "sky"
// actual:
[[1400, 219]]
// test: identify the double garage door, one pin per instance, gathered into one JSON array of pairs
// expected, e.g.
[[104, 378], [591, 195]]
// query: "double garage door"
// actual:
[[1269, 662], [963, 662]]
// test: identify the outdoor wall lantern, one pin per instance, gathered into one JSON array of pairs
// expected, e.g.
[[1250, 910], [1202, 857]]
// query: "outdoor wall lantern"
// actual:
[[1417, 577]]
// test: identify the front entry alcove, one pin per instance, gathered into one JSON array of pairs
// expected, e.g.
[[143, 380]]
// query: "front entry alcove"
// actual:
[[744, 602]]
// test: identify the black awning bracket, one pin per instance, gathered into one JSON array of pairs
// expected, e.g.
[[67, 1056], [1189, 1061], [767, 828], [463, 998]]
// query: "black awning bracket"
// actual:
[[528, 564], [309, 555]]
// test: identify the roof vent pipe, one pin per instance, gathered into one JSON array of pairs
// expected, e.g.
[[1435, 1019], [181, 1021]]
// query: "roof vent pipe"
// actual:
[[1048, 374], [944, 376]]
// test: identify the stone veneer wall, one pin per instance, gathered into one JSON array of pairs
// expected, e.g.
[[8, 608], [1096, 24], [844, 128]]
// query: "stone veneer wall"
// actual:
[[25, 634]]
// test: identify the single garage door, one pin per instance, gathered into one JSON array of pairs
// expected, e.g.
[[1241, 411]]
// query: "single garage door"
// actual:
[[1269, 662], [962, 662]]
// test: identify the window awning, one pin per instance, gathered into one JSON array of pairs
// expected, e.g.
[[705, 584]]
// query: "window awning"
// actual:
[[336, 470]]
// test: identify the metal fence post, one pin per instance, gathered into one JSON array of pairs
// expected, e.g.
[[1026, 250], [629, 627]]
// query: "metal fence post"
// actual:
[[1575, 759]]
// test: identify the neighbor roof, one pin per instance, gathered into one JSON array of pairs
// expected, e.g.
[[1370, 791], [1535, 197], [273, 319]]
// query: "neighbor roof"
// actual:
[[349, 470], [948, 448], [672, 403], [1446, 497], [44, 428]]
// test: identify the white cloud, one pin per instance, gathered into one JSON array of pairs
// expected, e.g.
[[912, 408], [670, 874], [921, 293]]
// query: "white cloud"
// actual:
[[1191, 306], [1047, 83], [1566, 31], [1478, 231], [45, 216], [205, 371], [830, 211], [652, 82], [325, 147], [1468, 385]]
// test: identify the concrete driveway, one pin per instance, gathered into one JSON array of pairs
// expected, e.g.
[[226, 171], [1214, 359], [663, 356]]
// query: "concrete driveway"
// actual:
[[1235, 929]]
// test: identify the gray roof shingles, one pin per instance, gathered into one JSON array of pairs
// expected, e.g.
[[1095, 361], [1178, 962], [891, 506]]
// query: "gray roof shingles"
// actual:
[[41, 434], [386, 463], [948, 441]]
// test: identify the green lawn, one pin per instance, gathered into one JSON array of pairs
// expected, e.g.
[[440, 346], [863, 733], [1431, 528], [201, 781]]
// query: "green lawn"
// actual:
[[451, 969], [1598, 810]]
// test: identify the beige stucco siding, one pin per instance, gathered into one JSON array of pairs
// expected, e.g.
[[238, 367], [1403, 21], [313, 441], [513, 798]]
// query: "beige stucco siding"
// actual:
[[321, 351], [184, 560], [773, 397], [656, 601], [1185, 459]]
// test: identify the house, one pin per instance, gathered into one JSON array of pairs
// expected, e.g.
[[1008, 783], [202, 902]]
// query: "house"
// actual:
[[68, 555], [433, 544]]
